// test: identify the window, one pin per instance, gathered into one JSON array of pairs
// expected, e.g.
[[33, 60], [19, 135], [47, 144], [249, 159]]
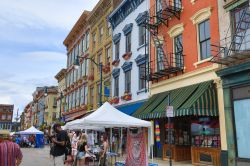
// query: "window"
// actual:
[[85, 88], [160, 59], [100, 34], [204, 39], [178, 50], [117, 50], [128, 81], [158, 5], [106, 90], [108, 51], [91, 95], [109, 30], [99, 60], [142, 35], [9, 117], [244, 31], [116, 86], [86, 67], [3, 116], [87, 41], [142, 76], [94, 40], [78, 96], [242, 115], [82, 46], [128, 42], [98, 92]]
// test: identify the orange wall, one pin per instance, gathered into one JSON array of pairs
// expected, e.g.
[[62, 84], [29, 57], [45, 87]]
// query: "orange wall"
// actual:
[[190, 32]]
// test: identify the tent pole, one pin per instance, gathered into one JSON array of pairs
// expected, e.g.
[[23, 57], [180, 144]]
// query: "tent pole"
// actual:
[[110, 139], [121, 142]]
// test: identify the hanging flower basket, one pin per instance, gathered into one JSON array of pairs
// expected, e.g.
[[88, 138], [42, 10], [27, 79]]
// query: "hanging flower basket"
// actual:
[[116, 62], [115, 100], [106, 68], [91, 77], [84, 107], [127, 55], [85, 77]]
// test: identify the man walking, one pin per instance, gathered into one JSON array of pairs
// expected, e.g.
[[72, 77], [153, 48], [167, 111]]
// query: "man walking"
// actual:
[[59, 142], [10, 153]]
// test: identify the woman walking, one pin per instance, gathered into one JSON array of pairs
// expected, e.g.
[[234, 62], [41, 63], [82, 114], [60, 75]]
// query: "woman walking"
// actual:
[[104, 148]]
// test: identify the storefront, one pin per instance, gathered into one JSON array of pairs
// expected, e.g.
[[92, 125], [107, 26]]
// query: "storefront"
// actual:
[[195, 129], [236, 88]]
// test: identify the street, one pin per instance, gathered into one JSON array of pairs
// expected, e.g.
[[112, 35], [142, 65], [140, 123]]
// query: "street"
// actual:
[[40, 157]]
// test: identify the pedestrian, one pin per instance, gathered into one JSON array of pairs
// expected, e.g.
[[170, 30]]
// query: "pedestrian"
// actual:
[[10, 153], [83, 151], [59, 141], [104, 148]]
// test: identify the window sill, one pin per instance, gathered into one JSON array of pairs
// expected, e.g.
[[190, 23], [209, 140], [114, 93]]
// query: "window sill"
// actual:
[[202, 61], [141, 91], [141, 46]]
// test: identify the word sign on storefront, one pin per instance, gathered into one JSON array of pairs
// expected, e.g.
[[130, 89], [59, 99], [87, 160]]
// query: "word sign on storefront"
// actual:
[[170, 111]]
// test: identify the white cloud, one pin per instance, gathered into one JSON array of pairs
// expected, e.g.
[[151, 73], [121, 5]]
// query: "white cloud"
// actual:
[[44, 56]]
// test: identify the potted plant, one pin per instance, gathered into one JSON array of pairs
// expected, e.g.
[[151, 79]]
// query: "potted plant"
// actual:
[[127, 96], [116, 62], [85, 77], [115, 100], [91, 77], [127, 55], [84, 107]]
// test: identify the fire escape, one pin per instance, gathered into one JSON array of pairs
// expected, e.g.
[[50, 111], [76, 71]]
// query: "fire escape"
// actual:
[[235, 48], [163, 64]]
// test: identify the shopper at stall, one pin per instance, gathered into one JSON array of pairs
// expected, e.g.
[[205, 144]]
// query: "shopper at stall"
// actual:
[[74, 142], [104, 149], [82, 150]]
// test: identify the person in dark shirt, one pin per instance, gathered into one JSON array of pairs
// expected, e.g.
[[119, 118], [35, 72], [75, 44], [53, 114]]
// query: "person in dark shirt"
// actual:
[[59, 147]]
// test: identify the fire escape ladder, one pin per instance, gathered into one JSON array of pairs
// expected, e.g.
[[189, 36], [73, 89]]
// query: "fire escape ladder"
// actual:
[[224, 53]]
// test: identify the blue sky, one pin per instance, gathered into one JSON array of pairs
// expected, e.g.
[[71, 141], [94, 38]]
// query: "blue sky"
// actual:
[[31, 44]]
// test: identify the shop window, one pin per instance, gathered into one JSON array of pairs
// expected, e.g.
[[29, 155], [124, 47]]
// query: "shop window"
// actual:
[[205, 132], [128, 42], [204, 39], [242, 123]]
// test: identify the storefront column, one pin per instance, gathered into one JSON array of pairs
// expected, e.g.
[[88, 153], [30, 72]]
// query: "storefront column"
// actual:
[[229, 126], [221, 114]]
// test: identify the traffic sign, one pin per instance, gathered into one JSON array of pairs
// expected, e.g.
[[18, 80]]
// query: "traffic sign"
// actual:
[[170, 111]]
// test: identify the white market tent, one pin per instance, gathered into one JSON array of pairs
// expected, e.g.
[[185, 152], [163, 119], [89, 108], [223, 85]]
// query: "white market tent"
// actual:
[[31, 130], [108, 116]]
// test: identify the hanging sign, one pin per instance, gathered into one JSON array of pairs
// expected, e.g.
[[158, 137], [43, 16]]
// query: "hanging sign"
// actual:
[[170, 111]]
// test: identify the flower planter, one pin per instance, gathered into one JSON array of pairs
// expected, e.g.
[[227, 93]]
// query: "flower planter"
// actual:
[[127, 97], [91, 77], [115, 100], [116, 62], [85, 77], [106, 68], [127, 55], [84, 107]]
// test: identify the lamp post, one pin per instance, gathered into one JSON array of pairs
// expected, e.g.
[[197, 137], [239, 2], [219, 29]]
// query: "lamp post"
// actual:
[[77, 64]]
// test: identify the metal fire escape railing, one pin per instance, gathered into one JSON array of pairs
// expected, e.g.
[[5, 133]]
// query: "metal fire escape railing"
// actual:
[[163, 64], [231, 49]]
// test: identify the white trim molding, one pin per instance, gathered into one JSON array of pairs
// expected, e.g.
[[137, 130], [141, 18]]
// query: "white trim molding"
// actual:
[[202, 61], [201, 15], [193, 2], [176, 30]]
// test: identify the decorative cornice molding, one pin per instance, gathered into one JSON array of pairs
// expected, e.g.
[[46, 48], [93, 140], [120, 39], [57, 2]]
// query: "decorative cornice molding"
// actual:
[[141, 17], [141, 59], [122, 11], [201, 15], [116, 38], [127, 66], [176, 30], [116, 72], [128, 28]]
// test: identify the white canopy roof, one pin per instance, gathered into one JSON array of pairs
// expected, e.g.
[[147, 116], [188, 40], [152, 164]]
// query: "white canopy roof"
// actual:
[[108, 116], [31, 130]]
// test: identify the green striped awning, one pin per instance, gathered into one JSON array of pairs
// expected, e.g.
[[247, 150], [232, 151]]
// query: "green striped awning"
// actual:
[[199, 100]]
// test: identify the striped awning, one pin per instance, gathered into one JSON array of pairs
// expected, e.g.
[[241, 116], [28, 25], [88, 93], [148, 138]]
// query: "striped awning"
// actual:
[[198, 100]]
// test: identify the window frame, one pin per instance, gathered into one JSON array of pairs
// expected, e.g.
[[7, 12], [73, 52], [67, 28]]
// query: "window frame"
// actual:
[[128, 42], [117, 50], [116, 86], [207, 41], [142, 35], [142, 82], [127, 76]]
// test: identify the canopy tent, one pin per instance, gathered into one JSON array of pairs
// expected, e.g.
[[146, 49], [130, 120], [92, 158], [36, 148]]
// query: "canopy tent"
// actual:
[[74, 125], [31, 130], [108, 116]]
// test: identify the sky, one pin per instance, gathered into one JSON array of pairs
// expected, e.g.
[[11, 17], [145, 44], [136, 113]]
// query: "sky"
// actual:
[[31, 44]]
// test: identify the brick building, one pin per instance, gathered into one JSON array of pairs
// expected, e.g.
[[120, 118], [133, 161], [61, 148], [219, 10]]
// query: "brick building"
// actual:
[[6, 114]]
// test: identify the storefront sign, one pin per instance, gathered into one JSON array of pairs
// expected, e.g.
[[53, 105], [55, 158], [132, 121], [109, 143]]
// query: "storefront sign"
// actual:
[[170, 111]]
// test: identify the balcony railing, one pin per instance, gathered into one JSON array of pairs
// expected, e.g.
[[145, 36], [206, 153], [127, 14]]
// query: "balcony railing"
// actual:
[[166, 66]]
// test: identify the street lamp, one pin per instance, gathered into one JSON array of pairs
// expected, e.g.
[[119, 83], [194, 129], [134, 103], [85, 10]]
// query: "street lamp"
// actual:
[[77, 65]]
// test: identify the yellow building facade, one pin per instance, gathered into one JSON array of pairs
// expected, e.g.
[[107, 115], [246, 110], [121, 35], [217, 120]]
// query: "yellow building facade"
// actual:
[[50, 109]]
